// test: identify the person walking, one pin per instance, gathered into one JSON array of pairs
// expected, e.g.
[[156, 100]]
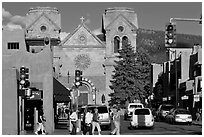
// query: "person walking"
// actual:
[[198, 115], [41, 126], [74, 119], [95, 123], [116, 121], [88, 123]]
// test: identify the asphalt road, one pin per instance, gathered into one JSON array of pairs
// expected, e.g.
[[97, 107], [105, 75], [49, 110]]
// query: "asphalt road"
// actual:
[[160, 128]]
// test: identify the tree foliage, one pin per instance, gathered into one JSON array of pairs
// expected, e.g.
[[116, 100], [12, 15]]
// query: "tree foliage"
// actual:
[[131, 77]]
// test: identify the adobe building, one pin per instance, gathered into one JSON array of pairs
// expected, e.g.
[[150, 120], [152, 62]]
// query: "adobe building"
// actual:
[[15, 55]]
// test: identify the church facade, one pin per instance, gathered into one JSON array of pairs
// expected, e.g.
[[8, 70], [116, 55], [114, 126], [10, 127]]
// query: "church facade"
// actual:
[[94, 55], [82, 50]]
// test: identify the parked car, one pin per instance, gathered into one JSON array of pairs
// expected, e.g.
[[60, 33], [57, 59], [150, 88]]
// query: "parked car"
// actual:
[[162, 111], [179, 115], [142, 117], [104, 114], [129, 111]]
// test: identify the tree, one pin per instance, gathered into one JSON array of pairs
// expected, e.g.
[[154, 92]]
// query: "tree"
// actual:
[[130, 76]]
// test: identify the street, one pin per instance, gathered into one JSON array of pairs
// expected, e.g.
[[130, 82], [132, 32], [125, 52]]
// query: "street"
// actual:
[[160, 128]]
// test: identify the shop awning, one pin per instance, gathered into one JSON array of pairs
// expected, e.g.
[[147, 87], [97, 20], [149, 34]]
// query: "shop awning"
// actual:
[[61, 93]]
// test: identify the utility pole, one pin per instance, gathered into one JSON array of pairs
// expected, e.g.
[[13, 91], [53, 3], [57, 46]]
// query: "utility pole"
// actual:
[[176, 80]]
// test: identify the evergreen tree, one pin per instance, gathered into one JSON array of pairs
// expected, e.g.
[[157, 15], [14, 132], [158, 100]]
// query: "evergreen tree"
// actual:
[[129, 78]]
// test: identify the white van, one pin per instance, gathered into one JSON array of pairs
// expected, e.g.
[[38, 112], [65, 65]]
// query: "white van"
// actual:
[[142, 117], [131, 107]]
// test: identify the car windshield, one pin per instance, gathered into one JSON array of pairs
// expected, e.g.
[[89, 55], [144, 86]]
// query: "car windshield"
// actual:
[[142, 112], [135, 106], [100, 109], [166, 107], [182, 111]]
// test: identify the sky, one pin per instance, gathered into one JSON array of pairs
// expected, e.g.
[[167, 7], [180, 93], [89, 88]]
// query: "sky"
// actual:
[[150, 15]]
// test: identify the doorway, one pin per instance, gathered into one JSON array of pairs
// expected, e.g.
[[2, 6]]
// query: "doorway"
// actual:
[[29, 112]]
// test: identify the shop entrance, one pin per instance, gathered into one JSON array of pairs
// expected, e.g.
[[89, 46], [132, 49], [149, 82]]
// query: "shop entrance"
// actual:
[[30, 108]]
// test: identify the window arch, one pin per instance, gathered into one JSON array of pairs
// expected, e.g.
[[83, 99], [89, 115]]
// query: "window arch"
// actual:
[[116, 44], [124, 41]]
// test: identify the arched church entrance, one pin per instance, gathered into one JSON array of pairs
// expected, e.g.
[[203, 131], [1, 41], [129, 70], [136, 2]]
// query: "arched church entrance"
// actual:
[[86, 92]]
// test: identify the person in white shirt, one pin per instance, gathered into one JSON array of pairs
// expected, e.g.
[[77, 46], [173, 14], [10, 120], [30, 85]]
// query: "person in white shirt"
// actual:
[[74, 118], [88, 122]]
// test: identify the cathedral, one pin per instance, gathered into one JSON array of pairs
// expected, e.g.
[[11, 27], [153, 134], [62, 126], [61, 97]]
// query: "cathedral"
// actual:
[[82, 50]]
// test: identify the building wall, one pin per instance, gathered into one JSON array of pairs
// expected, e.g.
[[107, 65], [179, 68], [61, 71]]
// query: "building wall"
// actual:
[[12, 36], [43, 16], [40, 71], [94, 72], [156, 70], [9, 102]]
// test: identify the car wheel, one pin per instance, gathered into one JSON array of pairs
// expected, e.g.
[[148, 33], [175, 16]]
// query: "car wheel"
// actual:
[[189, 123], [109, 127], [152, 127]]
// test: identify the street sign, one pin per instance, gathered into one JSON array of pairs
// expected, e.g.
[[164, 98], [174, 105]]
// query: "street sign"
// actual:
[[196, 98], [36, 95]]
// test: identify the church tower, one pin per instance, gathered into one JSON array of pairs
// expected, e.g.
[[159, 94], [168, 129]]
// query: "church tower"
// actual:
[[119, 24], [42, 22]]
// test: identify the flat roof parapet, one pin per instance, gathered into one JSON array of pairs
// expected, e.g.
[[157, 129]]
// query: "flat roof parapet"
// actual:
[[41, 9], [119, 9]]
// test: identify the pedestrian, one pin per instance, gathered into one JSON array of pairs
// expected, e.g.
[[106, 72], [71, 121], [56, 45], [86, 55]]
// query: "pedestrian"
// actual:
[[59, 113], [88, 122], [198, 115], [63, 112], [95, 122], [69, 122], [116, 121], [74, 119], [41, 121]]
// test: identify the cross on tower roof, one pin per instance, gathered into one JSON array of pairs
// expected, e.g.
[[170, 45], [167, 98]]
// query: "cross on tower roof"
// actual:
[[82, 19]]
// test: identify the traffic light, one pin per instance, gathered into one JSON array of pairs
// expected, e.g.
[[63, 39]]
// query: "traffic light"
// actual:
[[170, 35], [78, 78], [46, 41], [24, 77]]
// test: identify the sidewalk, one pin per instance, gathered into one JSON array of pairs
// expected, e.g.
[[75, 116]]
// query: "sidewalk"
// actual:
[[56, 132]]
